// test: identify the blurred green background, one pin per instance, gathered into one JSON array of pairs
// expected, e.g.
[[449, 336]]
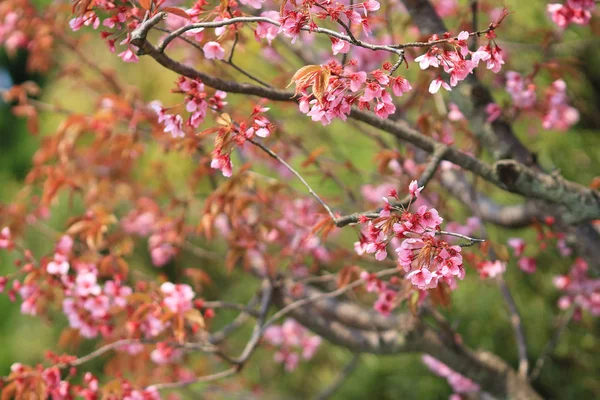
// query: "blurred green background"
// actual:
[[478, 311]]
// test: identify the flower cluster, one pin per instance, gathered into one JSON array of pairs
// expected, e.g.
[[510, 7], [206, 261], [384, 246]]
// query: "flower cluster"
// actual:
[[387, 297], [88, 305], [39, 382], [522, 90], [579, 289], [559, 115], [459, 383], [555, 111], [527, 264], [455, 62], [197, 102], [425, 259], [299, 15], [292, 341], [491, 269], [573, 11], [335, 89], [231, 134], [24, 26]]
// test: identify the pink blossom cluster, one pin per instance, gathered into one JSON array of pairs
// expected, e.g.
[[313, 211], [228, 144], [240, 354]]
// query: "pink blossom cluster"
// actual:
[[146, 219], [459, 383], [292, 341], [165, 354], [87, 305], [297, 219], [347, 87], [56, 388], [522, 90], [559, 115], [5, 238], [11, 37], [60, 262], [527, 264], [119, 18], [197, 102], [162, 246], [177, 297], [455, 62], [299, 15], [491, 269], [387, 298], [231, 134], [572, 11], [579, 289], [426, 259]]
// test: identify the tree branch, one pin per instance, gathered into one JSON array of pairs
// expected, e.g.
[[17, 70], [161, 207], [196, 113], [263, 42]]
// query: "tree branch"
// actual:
[[339, 380], [515, 319]]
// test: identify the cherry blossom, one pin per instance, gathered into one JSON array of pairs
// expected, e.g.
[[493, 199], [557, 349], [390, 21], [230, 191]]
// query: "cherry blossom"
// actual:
[[213, 50], [178, 297]]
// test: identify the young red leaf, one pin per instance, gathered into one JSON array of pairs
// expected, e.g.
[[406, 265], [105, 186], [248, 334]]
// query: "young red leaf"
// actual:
[[176, 11]]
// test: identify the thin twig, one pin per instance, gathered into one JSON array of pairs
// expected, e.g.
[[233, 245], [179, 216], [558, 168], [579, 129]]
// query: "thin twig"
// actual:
[[436, 157], [293, 171], [515, 319], [260, 324], [339, 380], [201, 379], [551, 345], [471, 240], [307, 300]]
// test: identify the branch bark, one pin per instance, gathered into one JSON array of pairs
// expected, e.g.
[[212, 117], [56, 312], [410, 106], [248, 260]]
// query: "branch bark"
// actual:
[[409, 335]]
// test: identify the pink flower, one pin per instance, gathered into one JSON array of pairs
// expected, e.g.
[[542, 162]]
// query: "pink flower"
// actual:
[[372, 283], [65, 244], [161, 253], [86, 284], [223, 162], [459, 383], [495, 61], [494, 111], [165, 354], [462, 42], [454, 114], [213, 50], [265, 30], [428, 59], [435, 85], [178, 298], [356, 80], [58, 266], [460, 70], [274, 335], [117, 293], [372, 90], [415, 189], [257, 4], [491, 269], [518, 245], [5, 238], [128, 55], [422, 278], [527, 264], [430, 219], [371, 5], [339, 46], [310, 346], [400, 86]]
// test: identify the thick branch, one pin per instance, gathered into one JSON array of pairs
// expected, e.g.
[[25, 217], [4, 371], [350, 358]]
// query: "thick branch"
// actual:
[[409, 335], [509, 216], [583, 203]]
